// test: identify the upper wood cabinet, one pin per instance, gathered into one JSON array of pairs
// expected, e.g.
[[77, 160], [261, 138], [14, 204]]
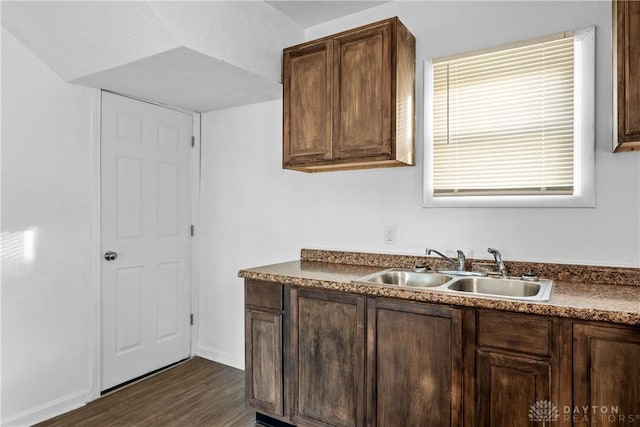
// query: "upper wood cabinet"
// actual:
[[627, 49], [349, 100]]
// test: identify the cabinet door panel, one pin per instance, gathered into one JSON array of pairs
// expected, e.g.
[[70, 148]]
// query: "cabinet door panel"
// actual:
[[264, 380], [508, 386], [414, 362], [362, 99], [628, 58], [328, 358], [307, 103], [606, 372]]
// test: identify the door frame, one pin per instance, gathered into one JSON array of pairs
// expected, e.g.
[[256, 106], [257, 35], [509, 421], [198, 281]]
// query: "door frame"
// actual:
[[96, 233]]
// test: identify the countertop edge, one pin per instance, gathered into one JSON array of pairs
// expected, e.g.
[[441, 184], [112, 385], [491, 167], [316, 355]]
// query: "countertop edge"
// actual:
[[539, 308]]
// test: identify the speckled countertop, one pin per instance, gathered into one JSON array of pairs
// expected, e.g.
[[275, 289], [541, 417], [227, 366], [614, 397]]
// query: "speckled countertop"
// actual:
[[574, 299]]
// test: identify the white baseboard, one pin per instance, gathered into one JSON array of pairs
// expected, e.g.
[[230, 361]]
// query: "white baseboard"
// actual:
[[48, 410], [220, 357]]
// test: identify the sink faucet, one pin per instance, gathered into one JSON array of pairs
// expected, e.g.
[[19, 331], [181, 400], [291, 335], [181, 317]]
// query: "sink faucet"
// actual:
[[499, 263], [459, 261]]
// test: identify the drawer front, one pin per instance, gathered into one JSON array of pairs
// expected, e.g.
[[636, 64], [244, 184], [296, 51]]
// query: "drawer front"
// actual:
[[263, 294], [514, 332]]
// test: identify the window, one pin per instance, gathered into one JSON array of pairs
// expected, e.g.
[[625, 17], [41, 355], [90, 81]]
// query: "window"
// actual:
[[512, 126]]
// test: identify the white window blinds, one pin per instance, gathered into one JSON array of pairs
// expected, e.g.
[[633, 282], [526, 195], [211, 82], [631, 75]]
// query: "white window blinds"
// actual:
[[503, 121]]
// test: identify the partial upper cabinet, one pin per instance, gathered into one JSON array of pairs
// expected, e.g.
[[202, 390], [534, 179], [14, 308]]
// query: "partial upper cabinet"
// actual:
[[626, 35], [349, 100]]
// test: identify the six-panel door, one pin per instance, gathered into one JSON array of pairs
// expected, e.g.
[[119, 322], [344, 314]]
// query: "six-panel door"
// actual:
[[146, 219]]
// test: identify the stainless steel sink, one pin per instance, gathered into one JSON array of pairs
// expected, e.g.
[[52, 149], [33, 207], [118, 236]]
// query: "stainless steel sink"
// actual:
[[402, 277], [509, 288]]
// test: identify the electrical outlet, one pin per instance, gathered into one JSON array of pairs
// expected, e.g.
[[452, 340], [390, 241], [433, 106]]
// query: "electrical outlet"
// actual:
[[389, 234]]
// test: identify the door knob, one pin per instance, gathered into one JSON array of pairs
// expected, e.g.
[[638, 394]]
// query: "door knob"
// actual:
[[110, 255]]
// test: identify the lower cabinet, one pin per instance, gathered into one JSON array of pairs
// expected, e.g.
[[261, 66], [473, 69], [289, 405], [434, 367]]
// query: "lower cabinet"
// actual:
[[508, 386], [264, 385], [321, 358], [327, 358], [606, 375], [512, 354], [414, 359]]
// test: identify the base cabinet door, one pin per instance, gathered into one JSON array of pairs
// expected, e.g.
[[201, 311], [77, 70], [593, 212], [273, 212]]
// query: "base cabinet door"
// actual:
[[606, 375], [328, 358], [264, 380], [414, 358], [510, 387]]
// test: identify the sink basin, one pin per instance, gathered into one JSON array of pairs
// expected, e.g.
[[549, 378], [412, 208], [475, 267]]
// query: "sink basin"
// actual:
[[510, 288], [506, 288], [402, 277]]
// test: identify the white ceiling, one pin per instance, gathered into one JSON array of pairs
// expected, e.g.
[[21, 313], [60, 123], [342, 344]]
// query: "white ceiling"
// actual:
[[310, 13], [197, 55]]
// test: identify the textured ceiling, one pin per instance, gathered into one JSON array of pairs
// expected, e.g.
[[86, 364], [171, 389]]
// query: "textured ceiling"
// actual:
[[310, 13], [197, 55]]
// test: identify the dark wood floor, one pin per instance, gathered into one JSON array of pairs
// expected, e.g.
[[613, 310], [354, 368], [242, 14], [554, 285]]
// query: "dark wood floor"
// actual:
[[195, 393]]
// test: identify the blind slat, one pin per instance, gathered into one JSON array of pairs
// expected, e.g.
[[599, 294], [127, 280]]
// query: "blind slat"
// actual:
[[503, 121]]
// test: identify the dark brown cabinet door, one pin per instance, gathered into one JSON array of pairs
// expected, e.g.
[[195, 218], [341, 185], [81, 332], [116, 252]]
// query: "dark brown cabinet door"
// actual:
[[414, 358], [307, 80], [508, 386], [606, 374], [627, 22], [263, 362], [362, 93], [264, 379], [328, 358]]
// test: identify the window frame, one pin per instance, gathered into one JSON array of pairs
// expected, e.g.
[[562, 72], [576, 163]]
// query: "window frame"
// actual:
[[584, 141]]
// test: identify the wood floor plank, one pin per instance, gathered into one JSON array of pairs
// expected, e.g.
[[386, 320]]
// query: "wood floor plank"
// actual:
[[195, 393]]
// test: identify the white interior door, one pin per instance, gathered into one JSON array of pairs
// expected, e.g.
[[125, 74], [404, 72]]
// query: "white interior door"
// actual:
[[146, 223]]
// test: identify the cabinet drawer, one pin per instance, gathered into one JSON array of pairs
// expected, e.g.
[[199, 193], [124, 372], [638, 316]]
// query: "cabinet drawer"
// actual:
[[514, 332], [263, 294]]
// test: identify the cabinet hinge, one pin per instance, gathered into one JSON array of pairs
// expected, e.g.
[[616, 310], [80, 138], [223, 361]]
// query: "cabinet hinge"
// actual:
[[191, 319], [193, 141], [192, 230]]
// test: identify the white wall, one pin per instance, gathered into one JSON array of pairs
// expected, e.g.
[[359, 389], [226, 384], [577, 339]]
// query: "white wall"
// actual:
[[46, 192], [255, 213]]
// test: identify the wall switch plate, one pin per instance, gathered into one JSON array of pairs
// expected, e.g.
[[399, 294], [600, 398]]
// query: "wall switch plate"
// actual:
[[389, 234]]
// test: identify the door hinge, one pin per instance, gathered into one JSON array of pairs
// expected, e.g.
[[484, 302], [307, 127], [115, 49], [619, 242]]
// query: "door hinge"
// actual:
[[193, 141], [192, 230], [191, 319]]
